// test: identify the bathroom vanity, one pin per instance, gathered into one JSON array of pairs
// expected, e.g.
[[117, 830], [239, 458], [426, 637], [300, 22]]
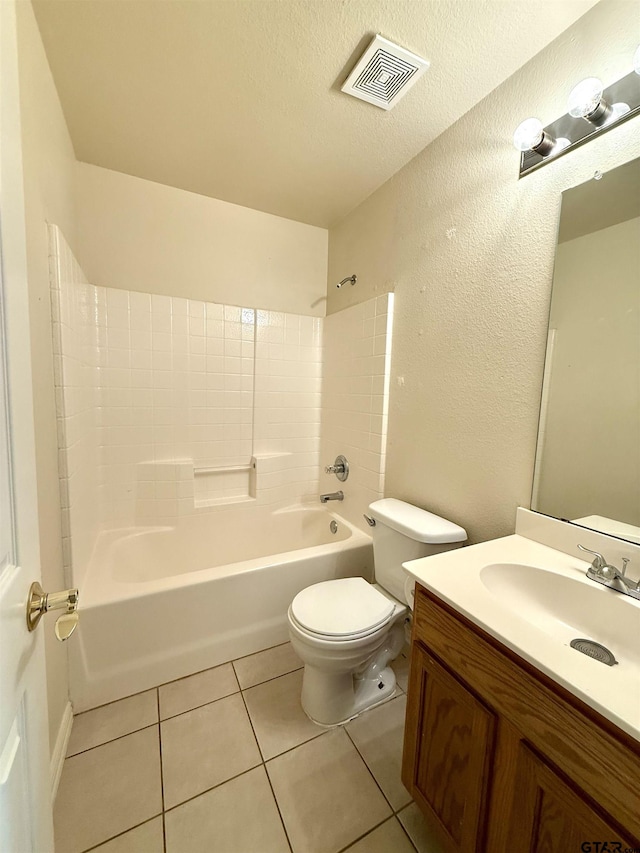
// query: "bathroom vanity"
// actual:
[[515, 741]]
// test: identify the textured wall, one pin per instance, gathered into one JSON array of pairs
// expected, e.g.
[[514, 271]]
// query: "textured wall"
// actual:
[[469, 251], [178, 243]]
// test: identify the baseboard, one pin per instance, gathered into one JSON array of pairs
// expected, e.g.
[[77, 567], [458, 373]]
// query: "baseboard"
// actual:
[[60, 750]]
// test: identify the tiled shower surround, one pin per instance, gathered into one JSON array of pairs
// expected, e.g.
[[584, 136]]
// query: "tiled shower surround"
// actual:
[[169, 406], [356, 368]]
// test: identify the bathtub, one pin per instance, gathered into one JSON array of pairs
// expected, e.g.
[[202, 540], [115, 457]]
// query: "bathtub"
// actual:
[[159, 603]]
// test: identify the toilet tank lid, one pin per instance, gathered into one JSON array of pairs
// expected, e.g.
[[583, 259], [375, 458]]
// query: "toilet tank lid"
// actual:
[[418, 524]]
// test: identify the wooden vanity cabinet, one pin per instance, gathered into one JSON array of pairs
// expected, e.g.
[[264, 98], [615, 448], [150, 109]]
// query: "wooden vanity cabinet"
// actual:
[[500, 758]]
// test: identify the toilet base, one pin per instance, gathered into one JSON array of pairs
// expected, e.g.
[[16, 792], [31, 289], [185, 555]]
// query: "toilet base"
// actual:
[[333, 698]]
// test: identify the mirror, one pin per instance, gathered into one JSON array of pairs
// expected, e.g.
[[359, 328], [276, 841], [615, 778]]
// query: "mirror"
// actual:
[[588, 455]]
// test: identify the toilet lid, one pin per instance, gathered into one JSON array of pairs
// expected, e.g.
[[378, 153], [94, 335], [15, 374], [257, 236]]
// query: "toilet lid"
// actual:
[[341, 607]]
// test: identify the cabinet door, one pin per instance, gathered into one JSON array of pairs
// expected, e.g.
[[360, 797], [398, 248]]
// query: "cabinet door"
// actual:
[[448, 753], [550, 816]]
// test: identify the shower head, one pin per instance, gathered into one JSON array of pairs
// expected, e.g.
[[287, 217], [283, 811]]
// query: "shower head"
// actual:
[[352, 278]]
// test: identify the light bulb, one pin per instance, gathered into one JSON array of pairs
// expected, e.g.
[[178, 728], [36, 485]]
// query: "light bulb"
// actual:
[[636, 60], [528, 134], [617, 111], [585, 98]]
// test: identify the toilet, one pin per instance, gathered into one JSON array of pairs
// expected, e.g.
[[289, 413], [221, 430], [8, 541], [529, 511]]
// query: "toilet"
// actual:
[[347, 631]]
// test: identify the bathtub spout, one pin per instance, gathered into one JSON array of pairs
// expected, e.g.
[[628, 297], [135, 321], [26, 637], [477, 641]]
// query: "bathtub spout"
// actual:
[[332, 496]]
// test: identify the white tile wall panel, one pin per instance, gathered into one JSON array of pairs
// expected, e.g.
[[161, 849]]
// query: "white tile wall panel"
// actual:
[[355, 390], [180, 386], [75, 312]]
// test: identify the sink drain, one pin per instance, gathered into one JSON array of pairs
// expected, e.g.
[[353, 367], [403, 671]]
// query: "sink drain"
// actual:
[[594, 650]]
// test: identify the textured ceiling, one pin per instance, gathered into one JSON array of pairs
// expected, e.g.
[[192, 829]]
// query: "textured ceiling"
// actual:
[[240, 99]]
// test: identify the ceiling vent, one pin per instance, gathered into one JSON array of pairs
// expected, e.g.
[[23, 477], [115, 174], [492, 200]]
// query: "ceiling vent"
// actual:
[[384, 73]]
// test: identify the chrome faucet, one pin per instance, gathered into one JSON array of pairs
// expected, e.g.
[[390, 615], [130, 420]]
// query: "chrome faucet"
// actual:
[[332, 496], [603, 572]]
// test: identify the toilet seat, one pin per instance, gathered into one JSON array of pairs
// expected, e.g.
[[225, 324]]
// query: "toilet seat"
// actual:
[[343, 609]]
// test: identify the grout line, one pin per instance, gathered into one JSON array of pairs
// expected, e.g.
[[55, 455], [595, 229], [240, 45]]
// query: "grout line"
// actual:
[[364, 835], [263, 762], [197, 707], [183, 677], [111, 740], [266, 773], [113, 701], [164, 831], [124, 832], [404, 829], [302, 743], [273, 678], [182, 713], [212, 788], [369, 769]]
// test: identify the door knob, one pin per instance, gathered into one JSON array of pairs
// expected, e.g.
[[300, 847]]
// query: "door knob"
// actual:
[[40, 602]]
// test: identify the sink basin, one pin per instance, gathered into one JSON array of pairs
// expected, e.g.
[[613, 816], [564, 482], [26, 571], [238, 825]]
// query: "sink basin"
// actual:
[[535, 600], [567, 608]]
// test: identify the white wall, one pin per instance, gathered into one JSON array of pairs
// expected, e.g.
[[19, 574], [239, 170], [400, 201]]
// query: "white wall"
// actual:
[[469, 251], [135, 234], [49, 169], [591, 456]]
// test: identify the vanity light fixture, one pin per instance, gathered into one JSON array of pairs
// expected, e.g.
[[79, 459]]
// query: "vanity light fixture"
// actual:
[[592, 110]]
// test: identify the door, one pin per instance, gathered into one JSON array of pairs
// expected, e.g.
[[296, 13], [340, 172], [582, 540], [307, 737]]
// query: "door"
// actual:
[[25, 802]]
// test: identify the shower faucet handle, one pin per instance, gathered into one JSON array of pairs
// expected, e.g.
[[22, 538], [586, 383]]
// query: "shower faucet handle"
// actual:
[[333, 469], [340, 468]]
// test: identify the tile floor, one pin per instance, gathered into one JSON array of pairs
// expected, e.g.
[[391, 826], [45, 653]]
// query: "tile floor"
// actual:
[[225, 761]]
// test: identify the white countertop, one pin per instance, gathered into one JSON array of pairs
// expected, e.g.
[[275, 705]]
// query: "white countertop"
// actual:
[[455, 577]]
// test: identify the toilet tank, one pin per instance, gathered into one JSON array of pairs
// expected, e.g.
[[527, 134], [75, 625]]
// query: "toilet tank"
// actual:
[[404, 532]]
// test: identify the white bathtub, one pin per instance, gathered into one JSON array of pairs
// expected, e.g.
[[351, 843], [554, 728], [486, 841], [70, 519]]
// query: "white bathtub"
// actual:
[[159, 603]]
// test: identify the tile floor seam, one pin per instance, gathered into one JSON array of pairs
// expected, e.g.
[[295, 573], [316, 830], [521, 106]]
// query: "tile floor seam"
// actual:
[[273, 678], [120, 834], [191, 674], [184, 677], [121, 699], [266, 773], [364, 835], [246, 770], [110, 740], [268, 649], [404, 829], [164, 832], [212, 788], [263, 761], [291, 748], [197, 707], [362, 758]]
